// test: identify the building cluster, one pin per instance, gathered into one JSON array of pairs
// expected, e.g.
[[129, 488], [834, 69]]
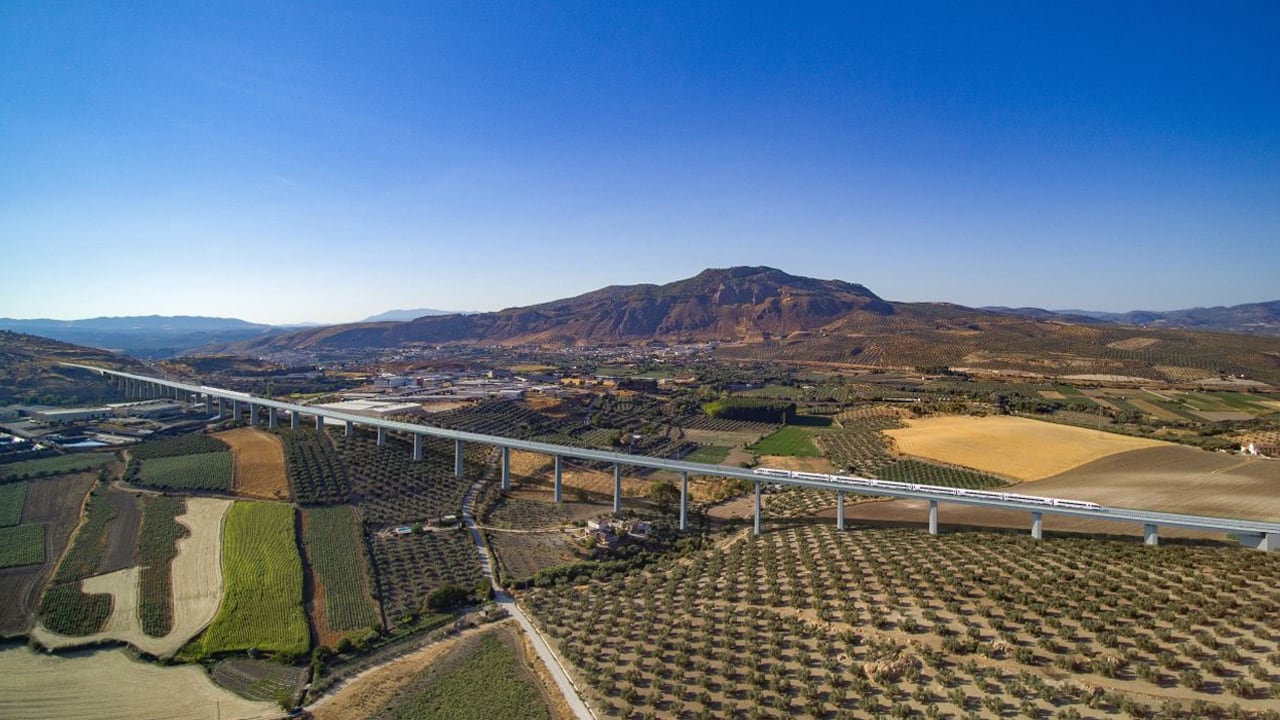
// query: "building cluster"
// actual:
[[610, 531]]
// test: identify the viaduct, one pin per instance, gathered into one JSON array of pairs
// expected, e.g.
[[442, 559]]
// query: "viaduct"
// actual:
[[1258, 535]]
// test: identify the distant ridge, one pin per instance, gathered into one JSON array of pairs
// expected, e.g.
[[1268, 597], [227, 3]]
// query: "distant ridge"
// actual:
[[728, 304], [405, 315], [1253, 318], [143, 336]]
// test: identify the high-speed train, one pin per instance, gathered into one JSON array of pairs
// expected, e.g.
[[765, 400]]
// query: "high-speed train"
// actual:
[[936, 489]]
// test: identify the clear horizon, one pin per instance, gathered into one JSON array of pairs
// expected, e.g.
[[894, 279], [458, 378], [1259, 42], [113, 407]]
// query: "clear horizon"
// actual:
[[324, 162]]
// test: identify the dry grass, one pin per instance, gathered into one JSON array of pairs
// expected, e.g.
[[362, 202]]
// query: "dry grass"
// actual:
[[259, 463], [109, 686], [1013, 447]]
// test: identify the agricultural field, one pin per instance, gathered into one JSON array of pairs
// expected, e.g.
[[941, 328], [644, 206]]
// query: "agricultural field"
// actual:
[[108, 685], [157, 547], [192, 597], [787, 440], [262, 680], [708, 454], [54, 504], [57, 465], [64, 608], [335, 553], [259, 463], [484, 676], [985, 443], [189, 444], [262, 606], [21, 545], [12, 497], [517, 513], [409, 567], [807, 620], [315, 470], [393, 488], [205, 471], [522, 555]]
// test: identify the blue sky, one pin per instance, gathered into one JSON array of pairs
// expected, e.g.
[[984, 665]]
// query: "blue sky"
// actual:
[[286, 162]]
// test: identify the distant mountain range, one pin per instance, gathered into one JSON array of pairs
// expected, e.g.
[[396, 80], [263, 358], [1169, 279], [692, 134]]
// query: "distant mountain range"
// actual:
[[147, 337], [1254, 318], [404, 315]]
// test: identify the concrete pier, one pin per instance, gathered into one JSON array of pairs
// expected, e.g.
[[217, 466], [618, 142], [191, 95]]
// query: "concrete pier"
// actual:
[[382, 437], [319, 423], [558, 494], [839, 509], [458, 466], [273, 418], [295, 419], [349, 429], [253, 414], [617, 488], [506, 468], [757, 525], [1150, 535], [933, 517], [684, 501], [1037, 526], [417, 447]]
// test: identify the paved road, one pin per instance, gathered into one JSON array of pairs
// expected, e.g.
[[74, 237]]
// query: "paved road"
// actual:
[[508, 603]]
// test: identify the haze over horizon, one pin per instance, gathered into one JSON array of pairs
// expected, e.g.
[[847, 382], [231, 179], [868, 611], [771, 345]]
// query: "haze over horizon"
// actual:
[[209, 160]]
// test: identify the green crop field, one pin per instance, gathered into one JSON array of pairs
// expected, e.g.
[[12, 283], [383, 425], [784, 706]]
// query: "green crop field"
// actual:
[[710, 454], [12, 497], [262, 605], [157, 547], [21, 545], [192, 444], [53, 465], [787, 441], [481, 680], [206, 471], [336, 551]]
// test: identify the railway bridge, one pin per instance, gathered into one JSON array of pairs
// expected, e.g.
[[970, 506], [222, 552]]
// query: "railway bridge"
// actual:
[[233, 404]]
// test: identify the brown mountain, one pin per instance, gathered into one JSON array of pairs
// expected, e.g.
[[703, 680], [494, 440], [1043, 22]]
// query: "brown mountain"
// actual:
[[738, 303], [30, 373], [760, 313]]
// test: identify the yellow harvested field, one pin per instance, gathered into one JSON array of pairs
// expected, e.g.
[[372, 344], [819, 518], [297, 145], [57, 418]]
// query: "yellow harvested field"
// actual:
[[1013, 447], [107, 685], [197, 589], [259, 463], [793, 462]]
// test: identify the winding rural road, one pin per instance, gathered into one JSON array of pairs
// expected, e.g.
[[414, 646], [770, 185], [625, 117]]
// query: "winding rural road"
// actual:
[[508, 603]]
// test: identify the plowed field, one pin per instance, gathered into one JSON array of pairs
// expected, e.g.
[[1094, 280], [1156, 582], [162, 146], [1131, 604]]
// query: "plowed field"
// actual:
[[54, 502], [259, 463]]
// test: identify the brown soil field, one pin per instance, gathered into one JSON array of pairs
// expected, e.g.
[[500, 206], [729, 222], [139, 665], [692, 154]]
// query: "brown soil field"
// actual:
[[1012, 447], [523, 554], [122, 531], [259, 463], [55, 503], [367, 693], [109, 686], [197, 589], [1134, 343], [804, 464], [1154, 410]]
